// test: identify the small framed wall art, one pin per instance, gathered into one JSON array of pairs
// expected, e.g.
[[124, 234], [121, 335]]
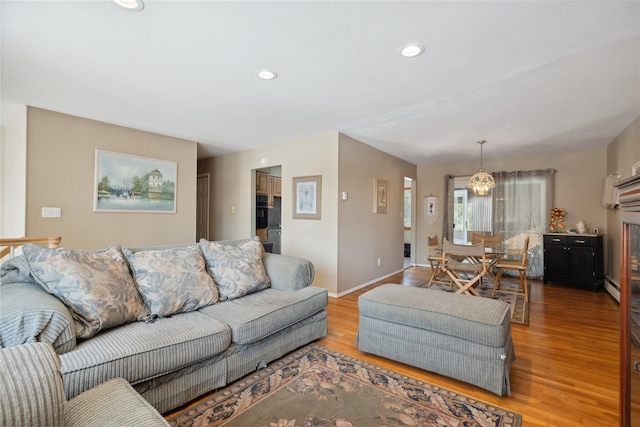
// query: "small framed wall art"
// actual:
[[380, 196], [307, 197], [431, 208]]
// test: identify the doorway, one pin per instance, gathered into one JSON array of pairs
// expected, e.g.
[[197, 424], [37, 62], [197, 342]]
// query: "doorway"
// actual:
[[409, 212], [202, 207], [267, 199]]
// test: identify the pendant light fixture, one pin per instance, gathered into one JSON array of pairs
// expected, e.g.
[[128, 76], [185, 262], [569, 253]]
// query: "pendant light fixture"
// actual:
[[481, 182]]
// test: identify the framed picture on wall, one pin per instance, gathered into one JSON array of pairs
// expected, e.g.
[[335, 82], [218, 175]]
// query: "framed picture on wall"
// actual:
[[380, 196], [307, 197], [128, 183]]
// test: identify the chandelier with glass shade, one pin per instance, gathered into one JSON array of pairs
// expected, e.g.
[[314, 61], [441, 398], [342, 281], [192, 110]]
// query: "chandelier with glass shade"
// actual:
[[481, 182]]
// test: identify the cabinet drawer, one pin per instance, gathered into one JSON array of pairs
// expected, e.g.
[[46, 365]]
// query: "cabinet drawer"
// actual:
[[580, 241], [554, 240]]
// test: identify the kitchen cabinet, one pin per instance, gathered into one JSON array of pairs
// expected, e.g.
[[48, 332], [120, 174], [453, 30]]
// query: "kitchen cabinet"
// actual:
[[574, 258], [277, 186], [262, 182], [270, 186]]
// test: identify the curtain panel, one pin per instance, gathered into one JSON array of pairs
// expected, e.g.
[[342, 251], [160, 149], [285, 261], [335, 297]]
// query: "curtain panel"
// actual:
[[447, 212], [522, 201]]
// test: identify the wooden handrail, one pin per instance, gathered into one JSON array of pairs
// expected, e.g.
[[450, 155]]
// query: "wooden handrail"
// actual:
[[8, 245]]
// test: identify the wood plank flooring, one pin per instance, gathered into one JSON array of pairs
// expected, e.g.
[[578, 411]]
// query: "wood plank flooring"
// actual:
[[566, 367]]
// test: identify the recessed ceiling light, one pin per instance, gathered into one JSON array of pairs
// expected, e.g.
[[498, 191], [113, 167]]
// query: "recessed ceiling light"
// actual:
[[266, 74], [411, 50], [131, 5]]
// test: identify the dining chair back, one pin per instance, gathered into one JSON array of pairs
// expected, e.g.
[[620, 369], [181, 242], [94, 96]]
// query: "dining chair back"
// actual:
[[513, 262], [488, 239], [465, 265]]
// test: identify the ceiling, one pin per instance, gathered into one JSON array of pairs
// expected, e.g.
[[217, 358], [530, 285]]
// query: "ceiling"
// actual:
[[529, 77]]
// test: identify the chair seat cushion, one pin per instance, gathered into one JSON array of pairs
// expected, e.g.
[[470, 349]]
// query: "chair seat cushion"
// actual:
[[141, 351], [256, 316]]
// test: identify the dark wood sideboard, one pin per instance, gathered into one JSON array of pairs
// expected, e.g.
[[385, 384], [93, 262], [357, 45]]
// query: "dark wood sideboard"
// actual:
[[574, 258]]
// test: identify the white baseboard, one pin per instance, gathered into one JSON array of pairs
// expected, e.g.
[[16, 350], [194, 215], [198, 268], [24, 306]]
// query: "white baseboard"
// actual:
[[364, 285], [613, 288]]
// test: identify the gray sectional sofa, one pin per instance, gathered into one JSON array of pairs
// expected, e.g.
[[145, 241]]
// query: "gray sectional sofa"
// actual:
[[169, 359]]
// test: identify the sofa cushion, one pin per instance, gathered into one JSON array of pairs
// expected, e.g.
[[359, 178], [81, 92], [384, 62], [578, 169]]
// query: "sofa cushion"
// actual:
[[237, 270], [172, 280], [141, 351], [95, 285], [256, 316]]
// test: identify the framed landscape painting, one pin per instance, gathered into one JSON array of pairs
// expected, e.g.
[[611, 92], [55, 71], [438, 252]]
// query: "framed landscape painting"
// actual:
[[128, 183]]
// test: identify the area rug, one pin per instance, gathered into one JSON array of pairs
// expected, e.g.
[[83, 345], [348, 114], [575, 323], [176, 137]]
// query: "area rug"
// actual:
[[314, 386], [519, 307]]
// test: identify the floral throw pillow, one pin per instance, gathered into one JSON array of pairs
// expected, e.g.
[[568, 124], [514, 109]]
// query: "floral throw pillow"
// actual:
[[238, 270], [95, 285], [172, 280]]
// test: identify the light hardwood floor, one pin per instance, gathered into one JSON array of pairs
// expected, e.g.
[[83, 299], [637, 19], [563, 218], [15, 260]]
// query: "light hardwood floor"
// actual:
[[566, 367]]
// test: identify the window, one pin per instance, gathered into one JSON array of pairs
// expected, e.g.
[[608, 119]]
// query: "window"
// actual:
[[470, 212]]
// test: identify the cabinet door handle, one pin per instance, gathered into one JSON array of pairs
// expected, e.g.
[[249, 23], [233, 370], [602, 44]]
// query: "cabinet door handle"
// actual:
[[636, 366], [579, 241], [555, 240]]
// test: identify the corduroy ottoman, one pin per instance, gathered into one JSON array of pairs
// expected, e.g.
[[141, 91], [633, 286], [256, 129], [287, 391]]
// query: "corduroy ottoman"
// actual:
[[463, 337]]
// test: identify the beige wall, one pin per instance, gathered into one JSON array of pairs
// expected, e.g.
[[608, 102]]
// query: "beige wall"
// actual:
[[364, 236], [13, 176], [578, 183], [622, 154], [233, 187], [60, 173]]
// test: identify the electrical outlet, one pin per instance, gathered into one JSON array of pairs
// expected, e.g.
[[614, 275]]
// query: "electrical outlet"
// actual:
[[48, 212], [233, 209], [379, 261]]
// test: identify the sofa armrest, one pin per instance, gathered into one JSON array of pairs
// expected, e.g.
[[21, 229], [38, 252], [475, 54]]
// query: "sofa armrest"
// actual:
[[31, 389], [113, 403], [288, 273], [30, 314]]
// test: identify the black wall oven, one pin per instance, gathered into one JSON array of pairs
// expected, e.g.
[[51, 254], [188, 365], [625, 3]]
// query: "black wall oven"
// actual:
[[262, 210]]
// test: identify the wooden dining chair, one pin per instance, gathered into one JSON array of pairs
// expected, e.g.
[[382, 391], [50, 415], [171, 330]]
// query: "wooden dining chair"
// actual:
[[434, 256], [516, 262], [466, 265]]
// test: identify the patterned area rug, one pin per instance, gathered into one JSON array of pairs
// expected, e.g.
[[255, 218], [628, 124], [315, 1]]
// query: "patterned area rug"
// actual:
[[314, 386], [519, 308]]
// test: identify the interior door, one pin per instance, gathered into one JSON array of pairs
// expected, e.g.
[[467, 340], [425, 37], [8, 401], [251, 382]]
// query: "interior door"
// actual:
[[202, 208], [460, 218]]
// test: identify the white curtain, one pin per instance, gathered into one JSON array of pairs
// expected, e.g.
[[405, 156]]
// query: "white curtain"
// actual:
[[522, 201]]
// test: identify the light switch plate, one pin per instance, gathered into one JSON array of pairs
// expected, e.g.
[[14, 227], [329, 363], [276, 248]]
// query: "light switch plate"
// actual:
[[49, 212]]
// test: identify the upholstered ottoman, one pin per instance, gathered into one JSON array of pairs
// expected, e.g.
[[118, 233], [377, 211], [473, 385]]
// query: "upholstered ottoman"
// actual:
[[463, 337]]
